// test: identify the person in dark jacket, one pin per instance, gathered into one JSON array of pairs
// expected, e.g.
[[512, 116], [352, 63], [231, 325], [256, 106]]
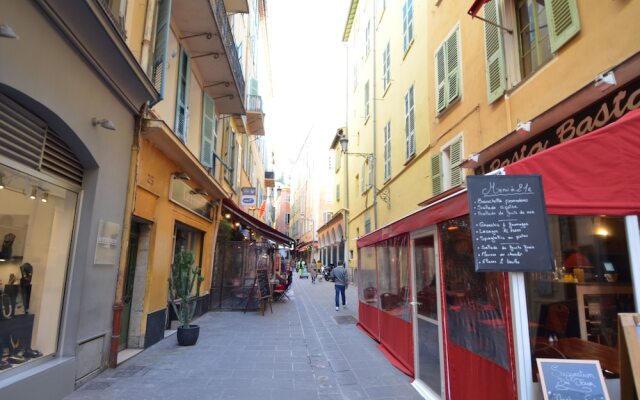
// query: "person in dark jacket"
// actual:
[[340, 279]]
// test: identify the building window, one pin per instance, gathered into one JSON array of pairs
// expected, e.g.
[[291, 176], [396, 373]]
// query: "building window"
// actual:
[[35, 235], [161, 46], [230, 158], [209, 132], [367, 40], [386, 66], [543, 27], [366, 100], [410, 123], [367, 222], [362, 178], [445, 167], [338, 192], [182, 97], [407, 24], [387, 151], [448, 71]]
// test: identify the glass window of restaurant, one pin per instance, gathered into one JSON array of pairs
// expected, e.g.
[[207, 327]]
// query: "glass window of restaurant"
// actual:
[[474, 300], [367, 277], [393, 276], [573, 311], [36, 224]]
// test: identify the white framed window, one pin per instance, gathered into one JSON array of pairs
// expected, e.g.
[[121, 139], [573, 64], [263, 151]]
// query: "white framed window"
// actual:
[[387, 151], [366, 100], [447, 69], [445, 167], [407, 24], [410, 123], [367, 222], [386, 66]]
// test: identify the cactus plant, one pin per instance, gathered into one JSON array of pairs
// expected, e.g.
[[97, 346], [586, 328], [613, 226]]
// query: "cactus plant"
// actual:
[[184, 275]]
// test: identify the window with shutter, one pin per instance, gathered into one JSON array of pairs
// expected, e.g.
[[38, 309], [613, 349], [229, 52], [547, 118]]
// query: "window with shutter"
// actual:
[[409, 119], [338, 192], [371, 166], [441, 98], [386, 66], [436, 174], [455, 158], [161, 47], [362, 179], [367, 222], [366, 100], [209, 136], [494, 52], [182, 98], [407, 23], [387, 151], [453, 67], [367, 34], [564, 22]]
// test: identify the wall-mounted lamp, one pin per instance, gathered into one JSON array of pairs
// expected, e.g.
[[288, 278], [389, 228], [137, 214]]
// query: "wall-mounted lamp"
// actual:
[[523, 127], [45, 197], [237, 224], [34, 192], [607, 79], [182, 176], [104, 123], [7, 32], [344, 144]]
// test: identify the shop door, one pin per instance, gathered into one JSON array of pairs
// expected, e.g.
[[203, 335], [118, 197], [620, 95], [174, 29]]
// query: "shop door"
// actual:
[[426, 317], [127, 295]]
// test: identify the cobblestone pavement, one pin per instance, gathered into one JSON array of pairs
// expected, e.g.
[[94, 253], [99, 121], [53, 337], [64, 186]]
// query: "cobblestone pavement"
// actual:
[[304, 350]]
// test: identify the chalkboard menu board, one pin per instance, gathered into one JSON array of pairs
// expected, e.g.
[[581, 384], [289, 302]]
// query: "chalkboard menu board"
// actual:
[[263, 283], [571, 379], [509, 223]]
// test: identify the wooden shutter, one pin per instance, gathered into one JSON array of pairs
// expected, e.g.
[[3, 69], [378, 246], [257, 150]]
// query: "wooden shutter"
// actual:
[[455, 158], [494, 52], [436, 174], [182, 98], [441, 98], [161, 48], [387, 151], [208, 128], [453, 67], [564, 22]]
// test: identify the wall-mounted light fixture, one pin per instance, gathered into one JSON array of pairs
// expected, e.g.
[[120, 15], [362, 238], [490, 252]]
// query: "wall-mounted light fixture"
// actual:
[[45, 197], [7, 32], [344, 144], [104, 123], [523, 127], [607, 79], [227, 215], [34, 193]]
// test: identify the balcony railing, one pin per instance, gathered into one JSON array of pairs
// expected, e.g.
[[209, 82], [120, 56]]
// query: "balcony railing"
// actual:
[[254, 103], [220, 15]]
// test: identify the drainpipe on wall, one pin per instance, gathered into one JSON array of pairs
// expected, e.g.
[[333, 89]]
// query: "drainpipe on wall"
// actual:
[[124, 245], [346, 168], [374, 159]]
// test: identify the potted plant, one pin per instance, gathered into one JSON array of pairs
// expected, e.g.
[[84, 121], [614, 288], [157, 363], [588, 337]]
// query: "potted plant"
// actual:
[[184, 275]]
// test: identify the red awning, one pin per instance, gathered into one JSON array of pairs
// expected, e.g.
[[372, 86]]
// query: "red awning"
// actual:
[[593, 174], [256, 224], [476, 6]]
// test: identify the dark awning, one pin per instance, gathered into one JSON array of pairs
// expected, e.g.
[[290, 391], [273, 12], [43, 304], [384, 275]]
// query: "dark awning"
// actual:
[[256, 224]]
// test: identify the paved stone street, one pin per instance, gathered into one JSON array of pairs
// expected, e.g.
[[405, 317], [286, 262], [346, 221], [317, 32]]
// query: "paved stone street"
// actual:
[[301, 351]]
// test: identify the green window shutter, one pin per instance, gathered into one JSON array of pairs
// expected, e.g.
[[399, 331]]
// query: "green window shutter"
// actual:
[[455, 158], [441, 98], [436, 174], [161, 48], [494, 51], [182, 98], [564, 22], [453, 67], [208, 129]]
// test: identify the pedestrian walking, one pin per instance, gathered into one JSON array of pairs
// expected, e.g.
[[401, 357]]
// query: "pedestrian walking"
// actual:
[[340, 279], [313, 272]]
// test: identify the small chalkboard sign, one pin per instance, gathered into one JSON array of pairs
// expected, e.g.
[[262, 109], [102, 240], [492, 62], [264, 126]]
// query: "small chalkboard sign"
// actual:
[[509, 223], [572, 379], [263, 283]]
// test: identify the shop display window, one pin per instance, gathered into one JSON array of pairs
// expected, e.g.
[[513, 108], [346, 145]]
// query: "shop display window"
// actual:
[[474, 300], [393, 276], [367, 276], [573, 310], [36, 224]]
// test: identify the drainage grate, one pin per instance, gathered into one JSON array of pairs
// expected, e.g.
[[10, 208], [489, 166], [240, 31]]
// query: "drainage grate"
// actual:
[[345, 319], [129, 371], [97, 385]]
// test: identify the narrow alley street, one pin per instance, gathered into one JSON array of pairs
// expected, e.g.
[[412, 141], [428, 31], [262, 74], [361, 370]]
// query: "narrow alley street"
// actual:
[[304, 350]]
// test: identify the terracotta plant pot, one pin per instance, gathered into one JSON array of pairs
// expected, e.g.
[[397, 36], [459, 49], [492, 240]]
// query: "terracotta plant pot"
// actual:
[[188, 336]]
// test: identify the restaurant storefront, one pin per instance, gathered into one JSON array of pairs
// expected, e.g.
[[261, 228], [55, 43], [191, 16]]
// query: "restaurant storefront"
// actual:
[[463, 334]]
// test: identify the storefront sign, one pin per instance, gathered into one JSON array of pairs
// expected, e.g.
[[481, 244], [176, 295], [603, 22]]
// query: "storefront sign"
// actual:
[[107, 243], [571, 379], [248, 198], [509, 223], [607, 110], [187, 197]]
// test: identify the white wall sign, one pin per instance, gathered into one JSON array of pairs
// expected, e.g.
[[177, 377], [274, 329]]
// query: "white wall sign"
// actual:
[[248, 198]]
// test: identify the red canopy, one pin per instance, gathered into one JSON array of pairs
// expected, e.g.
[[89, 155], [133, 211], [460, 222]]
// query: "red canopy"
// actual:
[[597, 173], [476, 6]]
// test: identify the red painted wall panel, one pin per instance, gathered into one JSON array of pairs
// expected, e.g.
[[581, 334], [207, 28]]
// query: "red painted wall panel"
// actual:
[[397, 336], [368, 317]]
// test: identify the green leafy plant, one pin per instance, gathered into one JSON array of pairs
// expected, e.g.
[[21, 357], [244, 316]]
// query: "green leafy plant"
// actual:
[[184, 275]]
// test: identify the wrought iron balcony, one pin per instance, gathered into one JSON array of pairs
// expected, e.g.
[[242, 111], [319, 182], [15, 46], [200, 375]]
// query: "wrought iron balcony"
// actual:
[[224, 30]]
